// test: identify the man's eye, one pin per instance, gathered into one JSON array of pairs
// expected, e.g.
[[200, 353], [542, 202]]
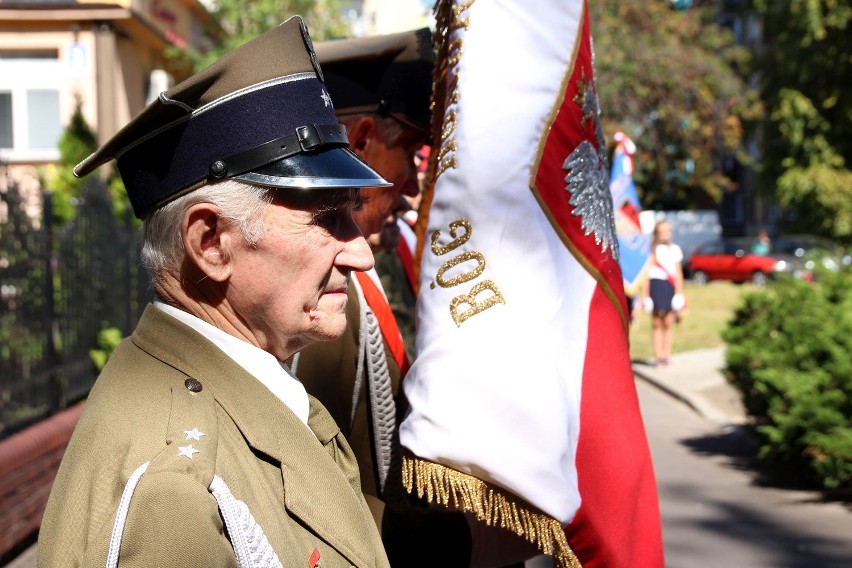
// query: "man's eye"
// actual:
[[359, 202], [333, 220], [325, 217]]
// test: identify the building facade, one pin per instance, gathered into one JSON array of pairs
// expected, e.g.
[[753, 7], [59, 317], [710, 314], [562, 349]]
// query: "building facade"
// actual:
[[108, 57]]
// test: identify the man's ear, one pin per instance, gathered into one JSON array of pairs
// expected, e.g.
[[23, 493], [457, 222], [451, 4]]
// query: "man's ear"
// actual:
[[360, 133], [208, 241]]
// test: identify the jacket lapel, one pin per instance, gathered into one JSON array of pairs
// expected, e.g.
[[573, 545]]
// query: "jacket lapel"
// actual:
[[319, 472]]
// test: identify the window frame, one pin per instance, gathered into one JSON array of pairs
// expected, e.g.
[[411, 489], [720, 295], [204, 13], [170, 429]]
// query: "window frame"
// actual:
[[22, 71]]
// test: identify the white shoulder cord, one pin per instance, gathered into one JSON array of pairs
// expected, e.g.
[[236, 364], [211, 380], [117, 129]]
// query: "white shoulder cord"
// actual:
[[251, 547], [121, 516], [250, 544], [362, 350], [382, 406], [371, 353]]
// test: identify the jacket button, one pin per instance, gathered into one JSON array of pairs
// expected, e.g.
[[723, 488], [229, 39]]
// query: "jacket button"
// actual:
[[192, 385]]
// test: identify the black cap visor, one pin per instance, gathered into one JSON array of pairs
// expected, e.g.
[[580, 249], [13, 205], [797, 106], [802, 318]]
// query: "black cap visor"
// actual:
[[325, 169]]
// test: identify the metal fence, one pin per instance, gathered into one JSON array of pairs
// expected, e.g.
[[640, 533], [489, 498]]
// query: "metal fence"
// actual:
[[59, 288]]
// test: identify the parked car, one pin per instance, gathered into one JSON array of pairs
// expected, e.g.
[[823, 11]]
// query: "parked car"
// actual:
[[811, 250], [732, 260]]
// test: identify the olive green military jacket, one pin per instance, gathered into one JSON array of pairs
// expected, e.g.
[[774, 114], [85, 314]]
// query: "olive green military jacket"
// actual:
[[413, 536], [170, 399], [329, 371]]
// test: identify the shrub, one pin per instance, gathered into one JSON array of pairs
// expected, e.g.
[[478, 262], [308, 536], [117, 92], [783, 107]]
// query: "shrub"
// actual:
[[790, 355], [108, 340]]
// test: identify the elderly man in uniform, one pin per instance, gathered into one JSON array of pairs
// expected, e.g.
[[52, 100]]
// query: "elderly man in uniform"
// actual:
[[197, 447], [381, 87]]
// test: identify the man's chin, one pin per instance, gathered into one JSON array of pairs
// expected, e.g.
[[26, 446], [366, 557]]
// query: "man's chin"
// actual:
[[330, 329], [328, 318]]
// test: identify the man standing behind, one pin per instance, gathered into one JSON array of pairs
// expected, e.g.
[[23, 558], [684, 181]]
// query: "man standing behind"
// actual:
[[196, 446], [381, 87]]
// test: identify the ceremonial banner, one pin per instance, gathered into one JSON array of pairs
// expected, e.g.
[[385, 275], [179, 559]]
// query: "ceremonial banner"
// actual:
[[634, 246], [522, 402]]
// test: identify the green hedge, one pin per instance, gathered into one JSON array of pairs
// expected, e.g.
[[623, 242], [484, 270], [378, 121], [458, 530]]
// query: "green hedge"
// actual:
[[790, 354]]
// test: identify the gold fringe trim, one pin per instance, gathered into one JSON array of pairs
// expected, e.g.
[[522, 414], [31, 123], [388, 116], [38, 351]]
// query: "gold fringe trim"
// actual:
[[495, 507]]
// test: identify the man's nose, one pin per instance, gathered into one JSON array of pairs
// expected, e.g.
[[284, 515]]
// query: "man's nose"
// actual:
[[356, 254]]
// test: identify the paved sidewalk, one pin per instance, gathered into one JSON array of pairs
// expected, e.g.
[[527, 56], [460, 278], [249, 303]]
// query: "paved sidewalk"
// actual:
[[695, 377]]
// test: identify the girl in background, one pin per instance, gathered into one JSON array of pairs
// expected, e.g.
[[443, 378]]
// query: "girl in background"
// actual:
[[663, 291]]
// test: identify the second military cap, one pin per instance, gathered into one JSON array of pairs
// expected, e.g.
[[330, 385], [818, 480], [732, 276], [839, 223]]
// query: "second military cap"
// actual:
[[388, 74], [260, 114]]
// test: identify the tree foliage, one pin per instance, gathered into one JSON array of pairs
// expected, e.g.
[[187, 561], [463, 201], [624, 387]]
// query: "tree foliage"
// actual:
[[235, 22], [76, 143], [804, 70], [671, 80]]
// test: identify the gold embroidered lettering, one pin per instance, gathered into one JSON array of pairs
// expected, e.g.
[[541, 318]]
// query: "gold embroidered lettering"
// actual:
[[455, 53], [457, 241], [454, 97], [448, 73], [449, 128], [446, 155], [464, 306], [475, 307], [464, 276], [446, 164], [458, 20]]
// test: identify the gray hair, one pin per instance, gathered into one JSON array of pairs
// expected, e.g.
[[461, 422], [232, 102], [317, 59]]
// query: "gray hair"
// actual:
[[390, 129], [240, 203]]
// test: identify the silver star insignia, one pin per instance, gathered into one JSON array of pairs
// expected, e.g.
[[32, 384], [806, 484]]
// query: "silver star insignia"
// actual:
[[194, 434], [326, 98], [187, 451]]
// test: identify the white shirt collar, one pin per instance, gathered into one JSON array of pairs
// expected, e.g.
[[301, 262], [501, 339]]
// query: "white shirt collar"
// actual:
[[263, 366]]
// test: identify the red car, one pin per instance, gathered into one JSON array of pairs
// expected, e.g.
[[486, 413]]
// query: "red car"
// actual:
[[730, 260]]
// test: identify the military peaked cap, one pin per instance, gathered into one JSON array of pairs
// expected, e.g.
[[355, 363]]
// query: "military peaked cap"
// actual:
[[261, 114], [389, 74]]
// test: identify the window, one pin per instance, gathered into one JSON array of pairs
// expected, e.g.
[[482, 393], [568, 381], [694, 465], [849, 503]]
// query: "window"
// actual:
[[31, 81], [29, 55], [6, 139], [43, 123]]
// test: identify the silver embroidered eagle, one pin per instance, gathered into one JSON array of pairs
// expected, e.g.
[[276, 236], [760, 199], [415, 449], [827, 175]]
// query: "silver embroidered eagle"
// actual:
[[588, 182], [589, 189]]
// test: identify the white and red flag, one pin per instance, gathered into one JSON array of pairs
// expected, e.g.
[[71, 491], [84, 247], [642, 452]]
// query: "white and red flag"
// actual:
[[523, 407]]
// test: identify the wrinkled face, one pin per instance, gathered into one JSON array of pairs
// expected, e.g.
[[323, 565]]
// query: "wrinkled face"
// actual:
[[396, 163], [290, 288]]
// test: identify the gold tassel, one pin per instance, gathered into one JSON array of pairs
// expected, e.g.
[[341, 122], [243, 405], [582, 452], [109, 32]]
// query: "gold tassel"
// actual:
[[493, 506]]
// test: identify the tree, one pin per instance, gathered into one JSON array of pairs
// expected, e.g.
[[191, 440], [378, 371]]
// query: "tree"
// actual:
[[671, 80], [234, 22], [804, 69], [77, 142]]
